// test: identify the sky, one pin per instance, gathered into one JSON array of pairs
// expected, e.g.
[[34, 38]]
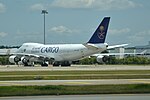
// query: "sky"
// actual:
[[74, 21]]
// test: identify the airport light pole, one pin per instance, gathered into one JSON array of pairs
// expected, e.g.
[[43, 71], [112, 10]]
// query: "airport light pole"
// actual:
[[44, 12]]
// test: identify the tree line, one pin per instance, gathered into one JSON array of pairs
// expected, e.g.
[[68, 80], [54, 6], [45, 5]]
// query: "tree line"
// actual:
[[87, 61], [114, 61], [8, 47]]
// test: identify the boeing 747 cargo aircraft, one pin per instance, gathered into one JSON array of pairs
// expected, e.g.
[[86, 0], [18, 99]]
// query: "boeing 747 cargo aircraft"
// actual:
[[63, 54]]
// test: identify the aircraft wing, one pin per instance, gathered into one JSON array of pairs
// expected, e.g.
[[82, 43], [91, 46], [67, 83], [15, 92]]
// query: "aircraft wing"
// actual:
[[116, 46], [41, 57], [111, 54], [115, 54]]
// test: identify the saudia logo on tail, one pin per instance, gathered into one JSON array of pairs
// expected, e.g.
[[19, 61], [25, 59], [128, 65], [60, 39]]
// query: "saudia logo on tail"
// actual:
[[101, 32]]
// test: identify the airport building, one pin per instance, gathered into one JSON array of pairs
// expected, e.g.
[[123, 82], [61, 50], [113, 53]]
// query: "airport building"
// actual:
[[136, 49], [4, 52]]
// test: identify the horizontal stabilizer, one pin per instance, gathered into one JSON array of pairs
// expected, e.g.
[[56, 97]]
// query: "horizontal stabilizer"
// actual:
[[116, 46], [91, 46]]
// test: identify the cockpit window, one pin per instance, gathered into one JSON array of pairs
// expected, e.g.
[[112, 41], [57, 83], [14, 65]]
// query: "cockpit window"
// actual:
[[26, 45], [24, 50]]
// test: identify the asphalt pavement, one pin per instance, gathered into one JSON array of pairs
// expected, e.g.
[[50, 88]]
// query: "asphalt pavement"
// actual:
[[74, 82]]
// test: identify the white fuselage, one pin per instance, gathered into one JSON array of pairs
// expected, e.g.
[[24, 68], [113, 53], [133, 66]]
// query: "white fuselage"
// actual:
[[61, 52]]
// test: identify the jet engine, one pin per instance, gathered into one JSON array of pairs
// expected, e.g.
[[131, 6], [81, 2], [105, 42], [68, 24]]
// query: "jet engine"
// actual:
[[102, 59], [24, 60], [14, 59], [27, 61]]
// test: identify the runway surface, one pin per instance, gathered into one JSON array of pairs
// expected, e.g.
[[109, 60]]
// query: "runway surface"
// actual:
[[74, 82], [83, 97], [75, 67]]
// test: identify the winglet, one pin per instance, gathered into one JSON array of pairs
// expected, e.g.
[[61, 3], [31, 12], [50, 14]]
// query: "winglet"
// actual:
[[100, 33]]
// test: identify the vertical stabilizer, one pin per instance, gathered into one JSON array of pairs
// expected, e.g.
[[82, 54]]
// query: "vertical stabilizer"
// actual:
[[101, 32]]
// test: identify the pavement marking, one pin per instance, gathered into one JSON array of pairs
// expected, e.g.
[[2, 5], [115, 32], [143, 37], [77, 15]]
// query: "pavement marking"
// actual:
[[141, 81], [80, 83], [9, 84]]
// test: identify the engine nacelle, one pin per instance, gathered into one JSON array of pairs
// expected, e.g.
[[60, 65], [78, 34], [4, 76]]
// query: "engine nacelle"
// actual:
[[102, 59], [24, 60], [14, 59]]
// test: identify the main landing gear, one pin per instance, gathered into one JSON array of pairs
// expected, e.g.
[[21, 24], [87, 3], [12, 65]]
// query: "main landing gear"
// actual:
[[44, 64], [64, 63]]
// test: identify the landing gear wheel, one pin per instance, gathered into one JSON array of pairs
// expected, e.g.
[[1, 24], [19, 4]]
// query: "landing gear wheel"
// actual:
[[56, 64], [65, 63], [44, 64]]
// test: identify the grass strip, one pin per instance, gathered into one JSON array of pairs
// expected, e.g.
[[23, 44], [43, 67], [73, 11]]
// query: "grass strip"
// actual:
[[70, 75], [73, 90], [74, 72]]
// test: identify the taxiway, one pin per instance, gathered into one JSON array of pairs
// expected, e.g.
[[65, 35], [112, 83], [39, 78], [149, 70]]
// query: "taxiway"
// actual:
[[75, 67], [74, 82]]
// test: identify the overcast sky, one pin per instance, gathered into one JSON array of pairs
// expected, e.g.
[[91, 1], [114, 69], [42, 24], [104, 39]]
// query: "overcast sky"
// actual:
[[74, 21]]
